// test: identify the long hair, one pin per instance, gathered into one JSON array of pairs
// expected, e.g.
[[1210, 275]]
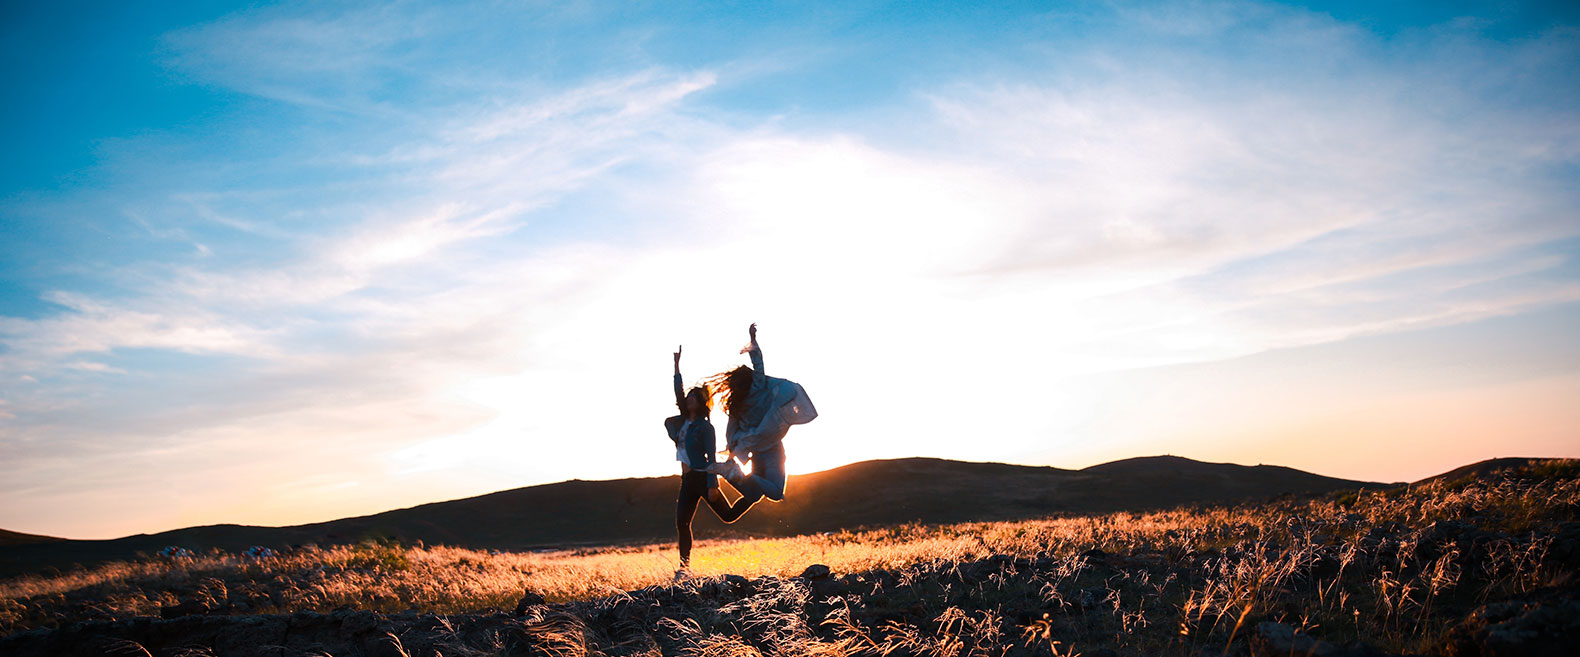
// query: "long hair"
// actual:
[[732, 387], [706, 393]]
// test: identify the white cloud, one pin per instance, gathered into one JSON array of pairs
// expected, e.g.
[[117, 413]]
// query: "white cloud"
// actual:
[[90, 366], [1025, 235], [93, 326], [390, 312]]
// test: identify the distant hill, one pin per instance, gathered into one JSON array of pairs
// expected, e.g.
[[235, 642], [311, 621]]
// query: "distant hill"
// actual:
[[870, 493], [1221, 481], [18, 538], [1484, 468]]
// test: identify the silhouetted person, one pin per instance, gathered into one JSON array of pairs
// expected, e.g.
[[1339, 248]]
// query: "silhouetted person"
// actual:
[[692, 432], [761, 409]]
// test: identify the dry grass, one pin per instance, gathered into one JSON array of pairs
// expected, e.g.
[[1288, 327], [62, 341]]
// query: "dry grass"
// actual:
[[1394, 568]]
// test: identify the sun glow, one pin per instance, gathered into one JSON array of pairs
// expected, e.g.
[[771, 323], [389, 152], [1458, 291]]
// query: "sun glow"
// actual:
[[465, 272]]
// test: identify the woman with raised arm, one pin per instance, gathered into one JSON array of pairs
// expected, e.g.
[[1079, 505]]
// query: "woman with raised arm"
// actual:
[[692, 432], [761, 409]]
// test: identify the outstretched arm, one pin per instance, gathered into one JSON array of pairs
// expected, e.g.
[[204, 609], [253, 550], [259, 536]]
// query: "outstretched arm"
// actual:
[[756, 354], [680, 394]]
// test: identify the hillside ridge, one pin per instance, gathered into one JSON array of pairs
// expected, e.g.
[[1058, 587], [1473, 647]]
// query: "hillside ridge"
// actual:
[[1484, 468], [19, 538], [885, 492]]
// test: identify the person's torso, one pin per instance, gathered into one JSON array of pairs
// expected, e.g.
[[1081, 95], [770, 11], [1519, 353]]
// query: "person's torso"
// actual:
[[697, 443], [759, 402]]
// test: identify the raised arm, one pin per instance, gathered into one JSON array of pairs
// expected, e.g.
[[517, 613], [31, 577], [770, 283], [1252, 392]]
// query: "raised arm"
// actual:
[[680, 393], [756, 354]]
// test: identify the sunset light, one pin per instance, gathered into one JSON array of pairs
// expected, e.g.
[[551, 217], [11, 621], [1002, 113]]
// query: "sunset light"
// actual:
[[611, 328], [259, 271]]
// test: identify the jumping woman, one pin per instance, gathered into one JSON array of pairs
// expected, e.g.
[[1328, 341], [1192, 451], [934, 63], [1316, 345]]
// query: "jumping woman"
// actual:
[[761, 409], [692, 432]]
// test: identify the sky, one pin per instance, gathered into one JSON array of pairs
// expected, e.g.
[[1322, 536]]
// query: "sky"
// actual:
[[278, 263]]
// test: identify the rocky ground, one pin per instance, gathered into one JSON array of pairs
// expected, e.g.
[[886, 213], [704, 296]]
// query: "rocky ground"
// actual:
[[870, 613], [1473, 568]]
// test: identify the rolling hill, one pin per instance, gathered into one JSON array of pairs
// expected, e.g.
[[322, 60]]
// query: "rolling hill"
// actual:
[[18, 538], [870, 493], [1484, 468]]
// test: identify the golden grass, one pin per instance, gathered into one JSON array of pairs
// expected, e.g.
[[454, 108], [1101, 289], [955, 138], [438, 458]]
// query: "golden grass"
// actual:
[[1185, 578]]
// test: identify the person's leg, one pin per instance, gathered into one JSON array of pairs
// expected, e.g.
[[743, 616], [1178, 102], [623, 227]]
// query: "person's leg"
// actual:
[[717, 501], [685, 510], [750, 492], [728, 511], [733, 512], [768, 469], [767, 479]]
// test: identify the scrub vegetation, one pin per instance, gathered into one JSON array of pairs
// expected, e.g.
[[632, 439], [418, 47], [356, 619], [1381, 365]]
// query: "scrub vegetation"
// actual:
[[1445, 567]]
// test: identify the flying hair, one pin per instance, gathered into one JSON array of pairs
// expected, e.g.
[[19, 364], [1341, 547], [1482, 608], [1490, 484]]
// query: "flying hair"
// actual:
[[732, 387]]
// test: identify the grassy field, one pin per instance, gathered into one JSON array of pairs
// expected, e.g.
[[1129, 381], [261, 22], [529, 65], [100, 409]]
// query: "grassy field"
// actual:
[[574, 514], [1396, 569]]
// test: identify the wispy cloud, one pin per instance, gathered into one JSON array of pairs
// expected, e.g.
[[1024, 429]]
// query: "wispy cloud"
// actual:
[[483, 287], [383, 309]]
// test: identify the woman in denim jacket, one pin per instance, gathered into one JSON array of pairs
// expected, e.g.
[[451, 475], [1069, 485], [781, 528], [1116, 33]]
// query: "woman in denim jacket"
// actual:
[[761, 409], [692, 433]]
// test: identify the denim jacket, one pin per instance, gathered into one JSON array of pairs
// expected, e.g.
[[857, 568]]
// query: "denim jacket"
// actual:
[[773, 405], [694, 439]]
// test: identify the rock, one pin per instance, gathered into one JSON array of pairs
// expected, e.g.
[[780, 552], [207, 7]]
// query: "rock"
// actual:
[[1090, 597], [1326, 565], [738, 585], [385, 645], [358, 622], [1565, 549], [1517, 628], [1360, 649], [1432, 540], [823, 589], [974, 572], [1279, 639], [816, 571], [186, 608], [1147, 561], [528, 599]]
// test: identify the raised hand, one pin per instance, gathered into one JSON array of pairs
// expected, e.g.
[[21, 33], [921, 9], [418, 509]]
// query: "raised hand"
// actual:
[[752, 332]]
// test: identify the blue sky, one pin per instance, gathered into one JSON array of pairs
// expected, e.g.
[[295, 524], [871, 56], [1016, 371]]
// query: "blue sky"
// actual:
[[279, 263]]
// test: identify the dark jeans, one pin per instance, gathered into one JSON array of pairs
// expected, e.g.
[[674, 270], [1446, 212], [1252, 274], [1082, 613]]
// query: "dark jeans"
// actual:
[[694, 488], [767, 479]]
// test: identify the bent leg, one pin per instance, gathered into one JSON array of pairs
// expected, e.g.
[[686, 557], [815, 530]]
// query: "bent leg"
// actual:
[[728, 511], [719, 504], [767, 479], [768, 473], [733, 512]]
